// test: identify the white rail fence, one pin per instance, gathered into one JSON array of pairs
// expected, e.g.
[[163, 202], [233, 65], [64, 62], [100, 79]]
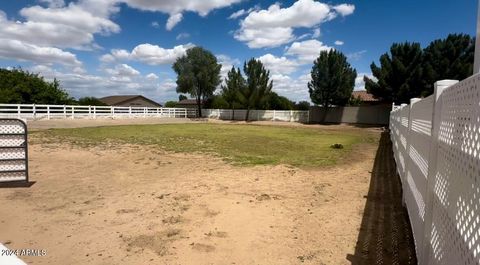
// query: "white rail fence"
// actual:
[[257, 115], [436, 144], [36, 112]]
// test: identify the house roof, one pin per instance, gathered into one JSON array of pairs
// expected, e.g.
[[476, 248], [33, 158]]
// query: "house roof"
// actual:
[[116, 100], [364, 96]]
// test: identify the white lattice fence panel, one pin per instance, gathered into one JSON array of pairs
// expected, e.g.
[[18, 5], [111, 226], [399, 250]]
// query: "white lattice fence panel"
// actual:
[[399, 128], [418, 148], [13, 150], [455, 230]]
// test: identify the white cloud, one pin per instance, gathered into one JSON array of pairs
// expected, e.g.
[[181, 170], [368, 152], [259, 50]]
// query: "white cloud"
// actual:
[[176, 8], [155, 24], [238, 14], [243, 12], [53, 3], [360, 83], [316, 33], [151, 76], [307, 51], [66, 27], [182, 35], [173, 20], [80, 85], [123, 70], [339, 43], [278, 65], [274, 26], [227, 64], [344, 9], [148, 53], [261, 38], [355, 56], [295, 89], [17, 50]]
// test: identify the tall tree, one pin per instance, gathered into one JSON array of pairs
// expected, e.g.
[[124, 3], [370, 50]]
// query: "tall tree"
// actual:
[[449, 58], [234, 83], [332, 81], [181, 97], [19, 86], [198, 74], [400, 75], [276, 102], [258, 86], [92, 101]]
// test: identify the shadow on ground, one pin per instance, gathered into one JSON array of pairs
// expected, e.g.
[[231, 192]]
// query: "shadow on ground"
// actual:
[[385, 235], [16, 184]]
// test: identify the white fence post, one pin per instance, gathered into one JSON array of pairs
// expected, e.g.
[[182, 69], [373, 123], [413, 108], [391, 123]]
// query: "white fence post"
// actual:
[[273, 115], [129, 111], [439, 87], [94, 112], [64, 112], [186, 112], [73, 112], [34, 110], [48, 112], [89, 111]]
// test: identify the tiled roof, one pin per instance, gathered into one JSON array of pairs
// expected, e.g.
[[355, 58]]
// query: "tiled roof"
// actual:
[[364, 96]]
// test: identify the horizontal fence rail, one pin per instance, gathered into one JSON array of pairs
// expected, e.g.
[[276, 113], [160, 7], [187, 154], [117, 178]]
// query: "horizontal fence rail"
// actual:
[[38, 112], [436, 145], [257, 115]]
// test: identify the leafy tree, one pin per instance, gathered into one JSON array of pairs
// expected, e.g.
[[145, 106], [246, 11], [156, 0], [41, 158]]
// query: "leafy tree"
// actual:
[[90, 101], [400, 76], [182, 97], [258, 86], [302, 105], [22, 87], [198, 74], [217, 102], [234, 83], [450, 58], [332, 81], [170, 104], [276, 102]]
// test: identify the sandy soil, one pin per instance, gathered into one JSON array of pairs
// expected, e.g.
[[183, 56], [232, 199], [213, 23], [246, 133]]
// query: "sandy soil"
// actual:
[[137, 205]]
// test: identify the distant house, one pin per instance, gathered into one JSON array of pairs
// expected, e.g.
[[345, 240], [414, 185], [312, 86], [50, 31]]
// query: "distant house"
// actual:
[[366, 98], [187, 103], [130, 101]]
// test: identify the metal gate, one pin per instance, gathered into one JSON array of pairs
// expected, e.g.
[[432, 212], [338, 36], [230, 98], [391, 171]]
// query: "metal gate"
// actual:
[[13, 150]]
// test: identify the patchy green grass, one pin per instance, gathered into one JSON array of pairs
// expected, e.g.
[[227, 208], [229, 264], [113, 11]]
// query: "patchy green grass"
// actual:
[[240, 144]]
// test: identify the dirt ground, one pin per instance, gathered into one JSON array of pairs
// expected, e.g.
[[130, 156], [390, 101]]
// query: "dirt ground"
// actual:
[[140, 205]]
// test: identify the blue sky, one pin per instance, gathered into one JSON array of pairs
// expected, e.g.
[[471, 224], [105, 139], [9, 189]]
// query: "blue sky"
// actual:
[[107, 47]]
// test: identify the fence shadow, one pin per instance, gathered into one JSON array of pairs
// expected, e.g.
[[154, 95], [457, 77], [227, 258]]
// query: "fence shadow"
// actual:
[[16, 184], [385, 236]]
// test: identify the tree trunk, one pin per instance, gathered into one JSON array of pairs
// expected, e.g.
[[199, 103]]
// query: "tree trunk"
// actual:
[[199, 104], [233, 113], [248, 114]]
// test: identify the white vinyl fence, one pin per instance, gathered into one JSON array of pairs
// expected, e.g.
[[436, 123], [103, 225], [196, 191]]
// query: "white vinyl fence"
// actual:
[[436, 144], [257, 115], [36, 112]]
